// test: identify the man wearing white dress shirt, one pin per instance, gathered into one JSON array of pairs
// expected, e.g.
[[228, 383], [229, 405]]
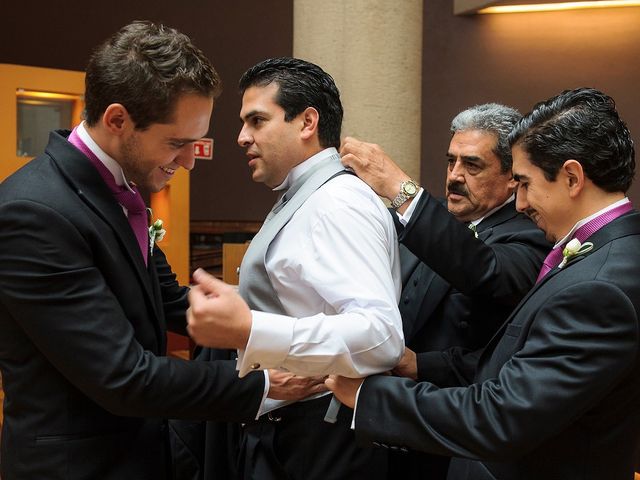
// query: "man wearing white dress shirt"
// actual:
[[320, 280]]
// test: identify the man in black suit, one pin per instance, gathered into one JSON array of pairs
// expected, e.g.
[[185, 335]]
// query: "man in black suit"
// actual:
[[556, 392], [459, 299], [86, 295]]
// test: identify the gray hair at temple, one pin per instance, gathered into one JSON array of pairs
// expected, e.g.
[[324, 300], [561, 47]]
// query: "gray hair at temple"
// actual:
[[493, 118]]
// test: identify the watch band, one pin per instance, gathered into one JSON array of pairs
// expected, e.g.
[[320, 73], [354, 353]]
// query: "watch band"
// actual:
[[408, 189]]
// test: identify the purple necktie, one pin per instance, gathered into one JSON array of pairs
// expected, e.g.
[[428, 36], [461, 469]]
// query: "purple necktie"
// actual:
[[582, 233], [129, 199]]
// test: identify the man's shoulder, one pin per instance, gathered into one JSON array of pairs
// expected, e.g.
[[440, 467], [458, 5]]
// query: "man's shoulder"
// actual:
[[32, 181], [347, 197], [347, 190]]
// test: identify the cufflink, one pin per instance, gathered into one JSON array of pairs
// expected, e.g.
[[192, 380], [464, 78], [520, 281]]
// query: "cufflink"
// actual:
[[255, 366], [273, 418]]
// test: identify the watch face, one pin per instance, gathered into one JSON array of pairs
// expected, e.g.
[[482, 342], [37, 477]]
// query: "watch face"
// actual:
[[410, 189]]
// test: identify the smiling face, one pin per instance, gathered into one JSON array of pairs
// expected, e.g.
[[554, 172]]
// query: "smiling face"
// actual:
[[475, 181], [547, 203], [274, 146], [150, 157]]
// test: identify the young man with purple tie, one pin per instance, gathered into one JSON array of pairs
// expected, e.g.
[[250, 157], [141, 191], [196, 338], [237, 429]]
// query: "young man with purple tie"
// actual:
[[85, 301]]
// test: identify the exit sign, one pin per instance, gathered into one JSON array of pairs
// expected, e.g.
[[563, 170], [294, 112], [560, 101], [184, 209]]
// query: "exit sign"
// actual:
[[203, 148]]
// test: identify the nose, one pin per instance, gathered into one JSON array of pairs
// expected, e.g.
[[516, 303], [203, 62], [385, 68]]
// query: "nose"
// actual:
[[186, 158], [521, 200], [456, 171], [244, 137]]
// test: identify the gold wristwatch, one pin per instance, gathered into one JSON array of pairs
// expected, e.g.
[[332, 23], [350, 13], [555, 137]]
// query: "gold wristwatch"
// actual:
[[408, 189]]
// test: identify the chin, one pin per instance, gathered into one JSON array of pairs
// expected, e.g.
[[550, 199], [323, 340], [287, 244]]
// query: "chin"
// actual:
[[550, 237]]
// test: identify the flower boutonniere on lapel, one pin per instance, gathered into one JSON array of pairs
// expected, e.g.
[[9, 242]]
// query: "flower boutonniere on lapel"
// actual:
[[156, 233], [574, 248]]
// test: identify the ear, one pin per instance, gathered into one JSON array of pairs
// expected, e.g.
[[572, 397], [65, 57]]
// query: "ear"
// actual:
[[116, 119], [574, 177], [310, 118]]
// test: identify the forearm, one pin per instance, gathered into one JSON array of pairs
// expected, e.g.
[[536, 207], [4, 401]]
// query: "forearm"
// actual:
[[352, 344], [451, 368], [504, 269]]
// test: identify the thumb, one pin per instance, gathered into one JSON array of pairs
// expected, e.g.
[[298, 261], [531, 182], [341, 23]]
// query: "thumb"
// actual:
[[330, 382], [209, 284]]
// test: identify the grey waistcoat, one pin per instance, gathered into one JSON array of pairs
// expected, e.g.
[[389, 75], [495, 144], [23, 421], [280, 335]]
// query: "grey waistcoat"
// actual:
[[255, 285]]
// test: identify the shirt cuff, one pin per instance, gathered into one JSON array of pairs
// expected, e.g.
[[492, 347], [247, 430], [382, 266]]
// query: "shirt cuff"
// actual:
[[406, 216], [269, 342]]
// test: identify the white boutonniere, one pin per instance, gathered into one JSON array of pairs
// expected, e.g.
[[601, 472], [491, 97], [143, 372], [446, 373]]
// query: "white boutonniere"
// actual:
[[573, 248], [156, 233]]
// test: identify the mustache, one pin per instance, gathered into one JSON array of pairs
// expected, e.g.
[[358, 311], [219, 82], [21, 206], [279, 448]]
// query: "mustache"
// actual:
[[457, 188]]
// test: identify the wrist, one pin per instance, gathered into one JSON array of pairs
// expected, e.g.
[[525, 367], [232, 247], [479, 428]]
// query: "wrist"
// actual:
[[406, 190]]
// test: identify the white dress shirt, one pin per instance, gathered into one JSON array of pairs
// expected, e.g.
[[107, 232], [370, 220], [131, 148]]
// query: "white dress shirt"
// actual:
[[335, 268]]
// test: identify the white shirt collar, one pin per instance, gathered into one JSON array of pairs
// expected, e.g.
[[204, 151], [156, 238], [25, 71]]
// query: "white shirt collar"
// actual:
[[109, 162], [297, 171], [567, 237]]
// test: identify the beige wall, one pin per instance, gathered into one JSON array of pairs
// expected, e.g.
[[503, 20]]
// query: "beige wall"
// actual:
[[373, 49]]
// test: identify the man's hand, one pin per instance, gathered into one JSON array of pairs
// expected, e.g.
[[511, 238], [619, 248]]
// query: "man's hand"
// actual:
[[286, 386], [217, 317], [408, 365], [344, 388], [373, 166]]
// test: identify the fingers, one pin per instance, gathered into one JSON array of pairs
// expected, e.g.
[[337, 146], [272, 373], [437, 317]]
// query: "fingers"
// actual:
[[318, 388], [209, 284], [355, 153], [348, 145], [331, 382]]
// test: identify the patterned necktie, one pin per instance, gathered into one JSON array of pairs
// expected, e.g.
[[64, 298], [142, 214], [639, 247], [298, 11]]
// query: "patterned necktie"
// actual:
[[128, 198], [473, 228], [550, 262], [582, 233]]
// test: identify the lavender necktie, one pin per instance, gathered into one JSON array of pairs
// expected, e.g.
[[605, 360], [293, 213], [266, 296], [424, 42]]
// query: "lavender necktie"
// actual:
[[550, 262], [582, 233], [128, 198]]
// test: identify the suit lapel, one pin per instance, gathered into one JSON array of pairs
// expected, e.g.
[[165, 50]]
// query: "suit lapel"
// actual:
[[92, 190], [628, 224], [434, 286]]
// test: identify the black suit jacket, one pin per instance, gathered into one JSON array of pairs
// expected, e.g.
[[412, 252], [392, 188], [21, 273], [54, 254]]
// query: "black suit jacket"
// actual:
[[465, 287], [557, 394], [82, 324]]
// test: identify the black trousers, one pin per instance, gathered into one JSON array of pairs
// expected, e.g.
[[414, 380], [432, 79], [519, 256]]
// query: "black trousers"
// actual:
[[295, 443]]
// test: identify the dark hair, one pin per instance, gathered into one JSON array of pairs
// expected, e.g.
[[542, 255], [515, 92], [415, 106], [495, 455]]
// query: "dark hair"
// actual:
[[492, 118], [301, 85], [582, 125], [146, 67]]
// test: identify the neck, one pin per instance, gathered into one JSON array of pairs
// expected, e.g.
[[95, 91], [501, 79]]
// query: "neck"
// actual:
[[108, 143], [597, 201], [591, 204]]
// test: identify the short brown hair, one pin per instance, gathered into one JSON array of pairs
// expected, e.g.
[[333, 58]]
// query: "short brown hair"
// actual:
[[146, 67]]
